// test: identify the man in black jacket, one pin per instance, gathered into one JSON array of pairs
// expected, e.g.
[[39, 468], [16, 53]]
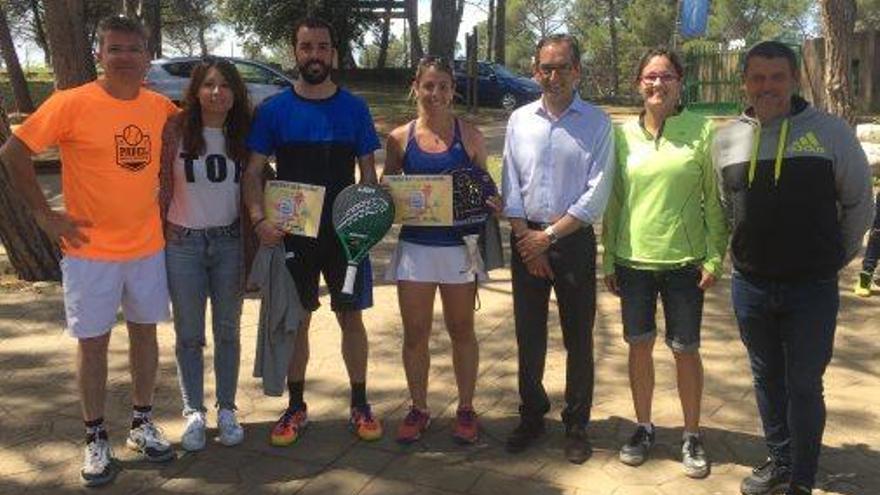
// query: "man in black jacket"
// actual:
[[797, 186]]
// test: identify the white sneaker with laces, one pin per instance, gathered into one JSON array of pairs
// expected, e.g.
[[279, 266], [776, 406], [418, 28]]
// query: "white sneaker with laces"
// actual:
[[148, 440], [98, 467], [193, 437], [231, 432]]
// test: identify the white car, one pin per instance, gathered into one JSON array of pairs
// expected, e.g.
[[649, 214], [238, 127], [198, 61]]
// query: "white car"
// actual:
[[170, 76]]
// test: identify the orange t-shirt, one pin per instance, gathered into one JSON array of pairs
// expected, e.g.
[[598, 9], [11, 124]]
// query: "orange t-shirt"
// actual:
[[110, 152]]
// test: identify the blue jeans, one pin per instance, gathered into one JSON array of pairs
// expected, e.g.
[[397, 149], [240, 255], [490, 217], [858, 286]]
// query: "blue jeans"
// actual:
[[872, 251], [788, 330], [201, 264]]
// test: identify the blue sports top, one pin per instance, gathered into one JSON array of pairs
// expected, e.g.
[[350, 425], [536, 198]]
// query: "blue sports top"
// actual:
[[315, 141], [419, 162]]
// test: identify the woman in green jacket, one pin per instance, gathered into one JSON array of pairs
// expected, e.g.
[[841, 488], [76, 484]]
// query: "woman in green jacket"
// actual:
[[664, 233]]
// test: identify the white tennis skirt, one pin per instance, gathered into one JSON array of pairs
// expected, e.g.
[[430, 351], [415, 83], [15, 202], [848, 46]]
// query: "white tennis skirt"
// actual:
[[438, 264]]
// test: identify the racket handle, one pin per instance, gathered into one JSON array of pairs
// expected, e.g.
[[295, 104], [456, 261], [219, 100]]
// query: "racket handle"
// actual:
[[350, 275]]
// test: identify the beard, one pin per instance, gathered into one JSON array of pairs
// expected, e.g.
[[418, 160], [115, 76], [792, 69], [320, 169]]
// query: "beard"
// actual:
[[314, 71]]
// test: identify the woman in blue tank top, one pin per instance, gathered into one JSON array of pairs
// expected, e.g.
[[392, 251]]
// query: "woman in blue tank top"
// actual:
[[432, 257]]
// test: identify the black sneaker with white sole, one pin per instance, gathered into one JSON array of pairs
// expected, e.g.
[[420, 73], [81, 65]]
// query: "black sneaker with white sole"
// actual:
[[635, 451], [766, 479]]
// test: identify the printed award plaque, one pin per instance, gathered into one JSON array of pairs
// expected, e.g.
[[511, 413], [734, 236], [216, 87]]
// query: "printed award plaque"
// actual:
[[294, 207], [424, 200]]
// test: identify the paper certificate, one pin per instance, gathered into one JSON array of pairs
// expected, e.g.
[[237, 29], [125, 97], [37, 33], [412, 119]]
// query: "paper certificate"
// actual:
[[424, 200], [295, 208]]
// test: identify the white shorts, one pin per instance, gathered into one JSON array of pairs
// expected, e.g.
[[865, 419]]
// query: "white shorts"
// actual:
[[93, 291], [439, 264]]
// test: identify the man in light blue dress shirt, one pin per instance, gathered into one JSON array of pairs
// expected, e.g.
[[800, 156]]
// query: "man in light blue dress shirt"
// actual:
[[558, 167]]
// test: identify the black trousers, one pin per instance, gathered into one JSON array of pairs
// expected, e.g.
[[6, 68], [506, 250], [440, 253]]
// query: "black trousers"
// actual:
[[573, 260]]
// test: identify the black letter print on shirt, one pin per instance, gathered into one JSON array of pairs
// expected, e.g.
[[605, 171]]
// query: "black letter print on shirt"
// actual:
[[215, 168]]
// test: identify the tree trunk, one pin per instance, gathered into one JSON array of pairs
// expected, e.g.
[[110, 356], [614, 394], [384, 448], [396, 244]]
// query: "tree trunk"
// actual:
[[444, 28], [500, 31], [490, 30], [40, 33], [612, 28], [72, 57], [23, 102], [838, 21], [203, 42], [32, 255], [383, 42], [415, 40], [153, 19]]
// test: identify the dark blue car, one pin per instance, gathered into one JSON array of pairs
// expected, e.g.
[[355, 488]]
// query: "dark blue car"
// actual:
[[497, 86]]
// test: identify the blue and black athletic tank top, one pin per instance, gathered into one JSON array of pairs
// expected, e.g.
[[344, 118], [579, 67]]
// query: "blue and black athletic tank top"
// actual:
[[418, 162]]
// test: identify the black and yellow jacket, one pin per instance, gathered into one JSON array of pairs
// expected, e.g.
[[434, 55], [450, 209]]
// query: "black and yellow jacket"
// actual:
[[797, 191]]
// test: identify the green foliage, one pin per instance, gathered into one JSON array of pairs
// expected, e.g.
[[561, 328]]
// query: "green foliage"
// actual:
[[271, 21], [644, 24], [520, 40], [867, 14]]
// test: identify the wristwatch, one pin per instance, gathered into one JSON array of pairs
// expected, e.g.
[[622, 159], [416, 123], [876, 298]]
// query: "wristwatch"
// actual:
[[551, 234]]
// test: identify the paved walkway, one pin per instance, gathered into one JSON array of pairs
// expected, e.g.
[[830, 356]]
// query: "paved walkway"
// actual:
[[40, 428]]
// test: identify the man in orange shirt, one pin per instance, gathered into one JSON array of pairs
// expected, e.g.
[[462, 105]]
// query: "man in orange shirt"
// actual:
[[109, 133]]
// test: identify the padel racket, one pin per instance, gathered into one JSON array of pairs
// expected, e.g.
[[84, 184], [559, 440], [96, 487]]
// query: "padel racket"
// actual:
[[471, 187], [362, 214]]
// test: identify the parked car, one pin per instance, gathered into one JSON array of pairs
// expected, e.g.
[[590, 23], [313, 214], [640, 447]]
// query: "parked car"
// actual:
[[170, 76], [497, 85]]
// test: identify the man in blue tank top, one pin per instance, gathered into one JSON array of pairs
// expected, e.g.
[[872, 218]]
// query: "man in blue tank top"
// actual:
[[317, 131]]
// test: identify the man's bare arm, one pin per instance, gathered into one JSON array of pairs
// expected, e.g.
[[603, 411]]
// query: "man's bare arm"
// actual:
[[16, 157]]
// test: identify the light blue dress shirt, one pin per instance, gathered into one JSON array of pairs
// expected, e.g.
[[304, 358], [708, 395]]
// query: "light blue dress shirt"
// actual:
[[554, 166]]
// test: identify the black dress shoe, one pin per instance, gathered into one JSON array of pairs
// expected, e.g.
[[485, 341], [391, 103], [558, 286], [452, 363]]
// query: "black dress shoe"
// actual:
[[524, 435], [577, 444]]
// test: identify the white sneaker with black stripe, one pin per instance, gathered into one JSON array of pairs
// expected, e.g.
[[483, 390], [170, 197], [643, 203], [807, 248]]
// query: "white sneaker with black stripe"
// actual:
[[99, 467], [150, 443]]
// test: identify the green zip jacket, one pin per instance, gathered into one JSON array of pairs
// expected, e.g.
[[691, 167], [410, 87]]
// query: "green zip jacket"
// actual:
[[664, 209]]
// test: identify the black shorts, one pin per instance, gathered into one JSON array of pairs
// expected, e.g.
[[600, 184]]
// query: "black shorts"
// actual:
[[307, 258]]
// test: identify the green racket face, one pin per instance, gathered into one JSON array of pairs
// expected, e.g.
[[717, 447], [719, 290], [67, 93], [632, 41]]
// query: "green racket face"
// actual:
[[362, 215]]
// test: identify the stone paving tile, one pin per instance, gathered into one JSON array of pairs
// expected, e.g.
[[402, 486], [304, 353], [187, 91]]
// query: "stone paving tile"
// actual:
[[496, 484], [40, 429]]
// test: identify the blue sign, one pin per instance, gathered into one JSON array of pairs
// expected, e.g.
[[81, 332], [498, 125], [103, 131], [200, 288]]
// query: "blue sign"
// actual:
[[694, 17]]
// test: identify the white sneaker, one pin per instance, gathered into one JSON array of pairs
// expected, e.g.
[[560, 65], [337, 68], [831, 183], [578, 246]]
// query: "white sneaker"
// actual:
[[193, 437], [149, 442], [231, 433], [98, 467]]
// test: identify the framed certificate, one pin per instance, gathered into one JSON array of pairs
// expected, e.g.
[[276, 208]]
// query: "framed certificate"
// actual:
[[424, 200], [294, 207]]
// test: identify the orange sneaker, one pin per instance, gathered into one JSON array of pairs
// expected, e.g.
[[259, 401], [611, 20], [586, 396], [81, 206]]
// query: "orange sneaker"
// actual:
[[466, 429], [289, 427], [414, 424], [364, 425]]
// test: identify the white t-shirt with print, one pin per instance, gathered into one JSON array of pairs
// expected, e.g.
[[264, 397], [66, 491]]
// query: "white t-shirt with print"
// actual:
[[206, 187]]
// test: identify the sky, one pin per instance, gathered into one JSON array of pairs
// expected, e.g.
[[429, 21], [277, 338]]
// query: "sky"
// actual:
[[31, 55]]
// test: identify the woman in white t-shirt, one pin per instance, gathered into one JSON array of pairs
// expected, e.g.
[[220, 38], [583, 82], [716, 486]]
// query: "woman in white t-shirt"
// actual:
[[202, 157]]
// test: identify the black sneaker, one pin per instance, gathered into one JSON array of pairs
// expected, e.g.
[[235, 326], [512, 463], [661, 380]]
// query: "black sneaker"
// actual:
[[693, 458], [635, 451], [524, 435], [577, 444], [766, 479]]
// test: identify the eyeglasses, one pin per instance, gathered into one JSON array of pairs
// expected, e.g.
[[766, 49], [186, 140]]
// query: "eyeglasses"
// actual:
[[663, 77], [561, 69]]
